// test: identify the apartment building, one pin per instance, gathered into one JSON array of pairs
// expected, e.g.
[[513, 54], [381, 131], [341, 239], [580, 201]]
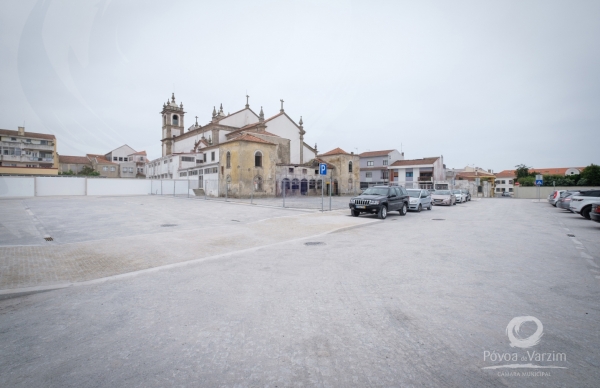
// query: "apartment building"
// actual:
[[27, 153], [374, 166]]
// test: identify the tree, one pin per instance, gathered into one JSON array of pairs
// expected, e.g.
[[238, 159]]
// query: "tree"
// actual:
[[591, 175], [88, 171], [522, 171]]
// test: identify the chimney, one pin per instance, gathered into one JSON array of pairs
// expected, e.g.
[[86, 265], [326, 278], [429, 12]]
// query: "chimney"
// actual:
[[21, 131]]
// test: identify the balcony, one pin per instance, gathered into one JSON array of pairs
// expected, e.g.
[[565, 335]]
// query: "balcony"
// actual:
[[30, 146], [425, 179]]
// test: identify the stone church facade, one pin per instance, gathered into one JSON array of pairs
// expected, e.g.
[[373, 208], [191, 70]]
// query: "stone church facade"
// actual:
[[254, 154]]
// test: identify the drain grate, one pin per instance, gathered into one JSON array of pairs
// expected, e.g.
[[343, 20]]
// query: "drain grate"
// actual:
[[438, 219], [570, 235], [314, 243], [48, 239], [168, 225]]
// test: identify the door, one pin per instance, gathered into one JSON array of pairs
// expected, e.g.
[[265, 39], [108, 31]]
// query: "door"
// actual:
[[425, 198], [303, 187], [394, 200]]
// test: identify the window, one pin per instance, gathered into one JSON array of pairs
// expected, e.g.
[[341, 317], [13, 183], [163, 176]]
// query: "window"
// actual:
[[304, 171], [44, 142], [291, 170], [13, 139], [212, 156], [319, 184], [349, 166], [142, 158], [28, 140], [187, 159], [222, 170], [258, 159], [311, 184], [171, 160], [498, 189], [370, 163], [510, 182], [409, 174], [113, 169], [183, 174], [165, 161], [295, 184], [228, 159], [130, 169], [510, 189], [105, 168], [120, 159], [115, 158], [503, 181], [369, 175], [316, 172], [385, 162], [385, 174], [205, 157], [175, 120]]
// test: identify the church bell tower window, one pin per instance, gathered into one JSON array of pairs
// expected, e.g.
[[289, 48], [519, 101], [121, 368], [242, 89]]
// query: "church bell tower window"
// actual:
[[175, 120]]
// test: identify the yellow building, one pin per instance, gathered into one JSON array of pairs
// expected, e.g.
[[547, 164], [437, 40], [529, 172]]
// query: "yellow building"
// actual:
[[247, 166], [27, 153]]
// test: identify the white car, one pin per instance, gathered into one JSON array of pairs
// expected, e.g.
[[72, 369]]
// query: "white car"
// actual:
[[458, 194], [582, 203], [555, 196]]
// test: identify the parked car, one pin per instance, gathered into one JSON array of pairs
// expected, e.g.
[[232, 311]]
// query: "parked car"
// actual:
[[443, 197], [564, 202], [555, 196], [506, 194], [458, 194], [466, 195], [380, 200], [419, 200], [595, 212], [582, 203]]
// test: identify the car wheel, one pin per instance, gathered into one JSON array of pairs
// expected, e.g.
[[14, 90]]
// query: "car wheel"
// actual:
[[382, 213], [430, 207], [404, 209], [419, 208], [355, 213], [585, 212]]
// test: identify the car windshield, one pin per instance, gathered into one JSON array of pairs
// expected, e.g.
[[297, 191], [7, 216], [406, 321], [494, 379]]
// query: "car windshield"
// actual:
[[414, 193], [376, 191], [442, 192], [456, 191]]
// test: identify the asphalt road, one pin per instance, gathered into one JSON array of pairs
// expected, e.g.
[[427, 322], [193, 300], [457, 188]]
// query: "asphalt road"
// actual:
[[409, 301]]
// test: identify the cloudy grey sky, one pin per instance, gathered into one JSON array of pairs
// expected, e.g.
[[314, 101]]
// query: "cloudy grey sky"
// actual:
[[489, 83]]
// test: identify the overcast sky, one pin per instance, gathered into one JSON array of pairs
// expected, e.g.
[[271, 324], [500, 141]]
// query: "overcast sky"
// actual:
[[485, 83]]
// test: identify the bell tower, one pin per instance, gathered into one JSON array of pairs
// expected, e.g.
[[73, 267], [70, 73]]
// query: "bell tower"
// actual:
[[172, 124]]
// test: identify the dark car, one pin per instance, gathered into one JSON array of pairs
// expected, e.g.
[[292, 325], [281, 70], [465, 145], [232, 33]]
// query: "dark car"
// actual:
[[565, 200], [595, 212], [380, 200]]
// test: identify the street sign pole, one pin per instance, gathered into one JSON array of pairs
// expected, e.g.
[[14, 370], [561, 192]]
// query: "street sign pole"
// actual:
[[539, 181], [323, 174]]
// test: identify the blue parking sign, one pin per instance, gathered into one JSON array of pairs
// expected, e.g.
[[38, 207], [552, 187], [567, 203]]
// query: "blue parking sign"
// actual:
[[539, 182], [322, 169]]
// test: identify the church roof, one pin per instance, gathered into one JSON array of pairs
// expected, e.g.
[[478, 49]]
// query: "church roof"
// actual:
[[100, 159], [249, 137], [336, 151]]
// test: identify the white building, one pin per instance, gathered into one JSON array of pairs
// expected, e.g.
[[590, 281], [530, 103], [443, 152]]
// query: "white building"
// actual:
[[418, 173]]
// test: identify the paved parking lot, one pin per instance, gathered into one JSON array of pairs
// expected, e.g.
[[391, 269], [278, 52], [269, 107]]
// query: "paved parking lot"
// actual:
[[420, 300]]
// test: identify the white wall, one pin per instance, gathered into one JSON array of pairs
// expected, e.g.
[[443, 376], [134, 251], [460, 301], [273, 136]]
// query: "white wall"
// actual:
[[282, 126], [240, 119], [13, 186], [48, 186], [118, 187]]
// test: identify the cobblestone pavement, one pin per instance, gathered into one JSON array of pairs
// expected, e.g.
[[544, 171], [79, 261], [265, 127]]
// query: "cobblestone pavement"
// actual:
[[420, 300], [206, 229]]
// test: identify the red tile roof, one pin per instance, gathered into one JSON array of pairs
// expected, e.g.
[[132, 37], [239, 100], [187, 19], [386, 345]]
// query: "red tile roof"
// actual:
[[73, 159], [8, 132], [336, 151], [101, 159], [547, 171], [370, 154], [249, 137], [139, 153], [415, 162]]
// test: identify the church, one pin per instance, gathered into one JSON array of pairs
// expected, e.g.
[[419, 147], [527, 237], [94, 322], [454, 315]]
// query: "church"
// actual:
[[243, 154]]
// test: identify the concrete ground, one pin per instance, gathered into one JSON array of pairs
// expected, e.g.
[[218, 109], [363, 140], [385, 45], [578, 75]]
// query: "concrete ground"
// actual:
[[420, 300]]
